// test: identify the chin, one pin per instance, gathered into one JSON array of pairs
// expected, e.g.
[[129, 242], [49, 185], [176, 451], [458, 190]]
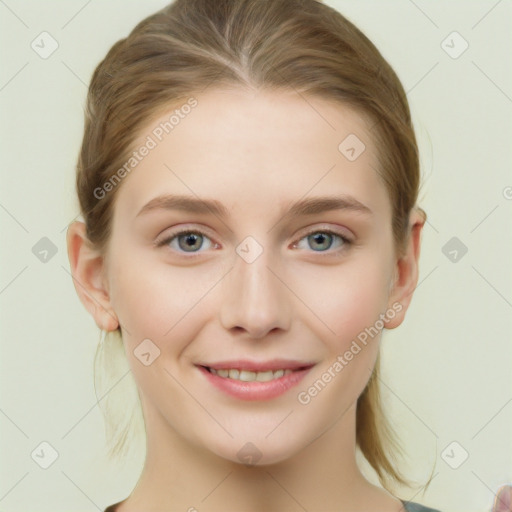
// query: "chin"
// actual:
[[257, 451]]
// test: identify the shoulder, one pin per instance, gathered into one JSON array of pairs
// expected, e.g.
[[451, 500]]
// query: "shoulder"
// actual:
[[112, 508], [409, 506]]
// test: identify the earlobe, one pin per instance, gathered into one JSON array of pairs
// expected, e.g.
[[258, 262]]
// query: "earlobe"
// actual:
[[406, 271], [87, 269]]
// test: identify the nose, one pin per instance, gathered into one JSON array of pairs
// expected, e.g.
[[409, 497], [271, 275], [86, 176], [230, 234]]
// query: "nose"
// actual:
[[255, 297]]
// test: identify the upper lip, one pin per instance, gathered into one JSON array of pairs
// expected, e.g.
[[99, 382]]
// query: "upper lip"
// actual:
[[259, 366]]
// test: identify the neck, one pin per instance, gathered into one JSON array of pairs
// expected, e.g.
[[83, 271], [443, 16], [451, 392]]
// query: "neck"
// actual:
[[324, 475]]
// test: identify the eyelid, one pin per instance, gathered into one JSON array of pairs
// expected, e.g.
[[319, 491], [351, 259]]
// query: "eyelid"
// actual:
[[326, 228], [162, 239]]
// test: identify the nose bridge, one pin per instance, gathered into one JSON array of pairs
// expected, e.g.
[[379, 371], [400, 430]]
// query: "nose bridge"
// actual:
[[254, 298]]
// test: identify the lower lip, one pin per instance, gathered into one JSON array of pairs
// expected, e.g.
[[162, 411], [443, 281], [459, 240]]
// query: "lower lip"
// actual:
[[255, 390]]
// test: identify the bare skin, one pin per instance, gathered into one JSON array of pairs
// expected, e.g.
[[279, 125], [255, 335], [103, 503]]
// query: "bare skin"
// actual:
[[256, 153]]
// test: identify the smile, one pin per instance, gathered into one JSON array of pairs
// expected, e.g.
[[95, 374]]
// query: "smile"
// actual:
[[251, 384]]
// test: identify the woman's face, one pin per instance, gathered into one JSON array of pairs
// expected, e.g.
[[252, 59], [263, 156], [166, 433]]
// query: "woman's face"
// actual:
[[249, 285]]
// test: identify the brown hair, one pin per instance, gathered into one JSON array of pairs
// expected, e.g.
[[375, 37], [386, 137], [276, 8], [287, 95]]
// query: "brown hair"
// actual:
[[302, 45]]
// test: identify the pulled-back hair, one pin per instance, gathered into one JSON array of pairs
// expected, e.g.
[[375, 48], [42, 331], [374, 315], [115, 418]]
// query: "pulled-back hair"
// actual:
[[300, 45]]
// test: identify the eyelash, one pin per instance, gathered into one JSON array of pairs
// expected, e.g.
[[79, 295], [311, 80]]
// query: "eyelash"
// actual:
[[328, 253]]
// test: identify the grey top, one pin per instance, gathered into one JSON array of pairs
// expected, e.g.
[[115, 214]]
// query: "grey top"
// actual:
[[416, 507], [409, 506]]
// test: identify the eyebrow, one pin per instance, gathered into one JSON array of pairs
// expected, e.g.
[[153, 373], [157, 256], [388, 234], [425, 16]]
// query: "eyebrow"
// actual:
[[303, 207]]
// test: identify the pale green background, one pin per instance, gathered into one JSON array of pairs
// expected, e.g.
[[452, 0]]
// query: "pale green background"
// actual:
[[447, 368]]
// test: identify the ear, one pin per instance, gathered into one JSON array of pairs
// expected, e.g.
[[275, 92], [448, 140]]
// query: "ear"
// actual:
[[406, 271], [87, 269]]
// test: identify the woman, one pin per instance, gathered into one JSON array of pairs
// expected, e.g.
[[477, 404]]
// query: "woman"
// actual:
[[248, 181]]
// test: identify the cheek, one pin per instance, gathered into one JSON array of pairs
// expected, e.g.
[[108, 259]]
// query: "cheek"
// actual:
[[141, 299], [350, 306], [159, 301], [343, 301]]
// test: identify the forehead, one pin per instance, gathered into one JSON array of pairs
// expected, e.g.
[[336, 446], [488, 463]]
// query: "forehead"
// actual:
[[247, 146]]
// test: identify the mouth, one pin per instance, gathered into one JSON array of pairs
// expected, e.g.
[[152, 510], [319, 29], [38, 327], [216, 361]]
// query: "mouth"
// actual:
[[255, 381]]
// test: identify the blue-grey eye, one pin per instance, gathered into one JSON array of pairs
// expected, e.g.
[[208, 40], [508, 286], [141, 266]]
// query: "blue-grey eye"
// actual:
[[188, 241], [322, 241]]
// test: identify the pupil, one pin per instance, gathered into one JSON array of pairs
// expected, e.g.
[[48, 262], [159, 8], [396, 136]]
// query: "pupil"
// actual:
[[319, 237], [191, 239]]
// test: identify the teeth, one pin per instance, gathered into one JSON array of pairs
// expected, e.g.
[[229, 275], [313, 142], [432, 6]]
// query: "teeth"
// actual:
[[248, 376], [265, 376]]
